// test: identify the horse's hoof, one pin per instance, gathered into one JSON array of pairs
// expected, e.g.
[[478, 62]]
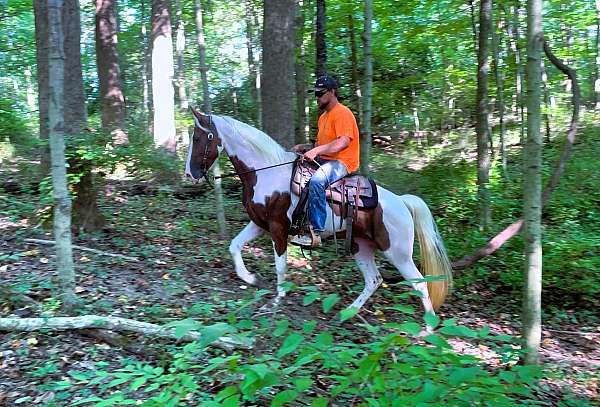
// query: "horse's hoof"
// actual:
[[425, 332]]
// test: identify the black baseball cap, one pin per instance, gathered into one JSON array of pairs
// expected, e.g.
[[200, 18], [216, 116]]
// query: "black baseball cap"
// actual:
[[325, 82]]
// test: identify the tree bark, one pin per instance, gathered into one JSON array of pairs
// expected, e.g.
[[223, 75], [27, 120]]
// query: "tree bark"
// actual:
[[532, 208], [482, 126], [252, 61], [56, 127], [109, 323], [179, 50], [109, 72], [321, 39], [302, 128], [163, 94], [597, 81], [278, 66], [40, 8], [219, 200], [499, 76], [356, 91], [365, 145]]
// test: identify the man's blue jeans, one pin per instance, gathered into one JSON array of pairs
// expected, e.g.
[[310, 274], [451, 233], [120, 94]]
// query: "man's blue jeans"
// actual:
[[329, 172]]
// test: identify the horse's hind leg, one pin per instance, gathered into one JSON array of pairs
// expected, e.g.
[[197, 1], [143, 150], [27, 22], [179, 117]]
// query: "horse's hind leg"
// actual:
[[401, 258], [250, 232], [365, 258]]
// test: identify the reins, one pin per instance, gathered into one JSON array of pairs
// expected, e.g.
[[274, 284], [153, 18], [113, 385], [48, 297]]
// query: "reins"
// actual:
[[233, 174]]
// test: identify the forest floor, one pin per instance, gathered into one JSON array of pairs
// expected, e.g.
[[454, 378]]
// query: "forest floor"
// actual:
[[184, 270]]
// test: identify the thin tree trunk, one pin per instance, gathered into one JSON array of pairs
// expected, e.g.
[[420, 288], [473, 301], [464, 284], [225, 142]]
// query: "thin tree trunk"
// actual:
[[597, 82], [278, 66], [252, 63], [56, 122], [499, 75], [301, 102], [532, 209], [109, 73], [163, 94], [321, 39], [473, 24], [482, 126], [146, 107], [41, 49], [356, 91], [520, 80], [220, 206], [179, 50], [546, 101], [365, 145]]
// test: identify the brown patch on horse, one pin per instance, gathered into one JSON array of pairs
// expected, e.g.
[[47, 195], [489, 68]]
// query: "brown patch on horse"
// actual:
[[270, 216], [369, 225]]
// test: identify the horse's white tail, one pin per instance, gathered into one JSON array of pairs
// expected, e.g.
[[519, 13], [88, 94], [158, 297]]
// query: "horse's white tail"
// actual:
[[434, 260]]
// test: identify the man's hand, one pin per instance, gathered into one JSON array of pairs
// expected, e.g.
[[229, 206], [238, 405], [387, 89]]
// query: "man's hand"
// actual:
[[311, 154], [301, 148]]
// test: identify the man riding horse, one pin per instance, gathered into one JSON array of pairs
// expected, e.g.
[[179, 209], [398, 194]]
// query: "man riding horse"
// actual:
[[336, 150]]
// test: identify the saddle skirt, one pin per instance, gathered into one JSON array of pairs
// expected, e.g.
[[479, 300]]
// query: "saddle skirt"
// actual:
[[353, 189]]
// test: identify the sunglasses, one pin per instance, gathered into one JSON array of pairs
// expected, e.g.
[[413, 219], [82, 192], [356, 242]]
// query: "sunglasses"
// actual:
[[319, 93]]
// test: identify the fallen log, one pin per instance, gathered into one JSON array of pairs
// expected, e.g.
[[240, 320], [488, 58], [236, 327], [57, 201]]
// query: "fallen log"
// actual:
[[113, 324]]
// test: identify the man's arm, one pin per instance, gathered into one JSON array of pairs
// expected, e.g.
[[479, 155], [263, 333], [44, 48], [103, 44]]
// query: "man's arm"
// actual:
[[302, 148], [335, 146]]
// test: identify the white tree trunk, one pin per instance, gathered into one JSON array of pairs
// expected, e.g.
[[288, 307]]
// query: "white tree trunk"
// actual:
[[60, 190], [597, 82], [163, 94], [532, 299]]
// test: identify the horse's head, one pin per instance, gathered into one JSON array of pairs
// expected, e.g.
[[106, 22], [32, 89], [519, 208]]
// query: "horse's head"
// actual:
[[204, 149]]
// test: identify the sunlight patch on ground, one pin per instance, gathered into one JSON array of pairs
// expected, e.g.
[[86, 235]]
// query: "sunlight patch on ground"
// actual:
[[6, 223]]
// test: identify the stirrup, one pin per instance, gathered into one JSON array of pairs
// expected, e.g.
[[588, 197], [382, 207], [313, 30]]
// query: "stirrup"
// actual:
[[312, 240]]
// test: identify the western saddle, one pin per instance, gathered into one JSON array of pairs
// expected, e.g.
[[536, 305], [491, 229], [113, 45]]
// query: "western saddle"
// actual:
[[345, 196]]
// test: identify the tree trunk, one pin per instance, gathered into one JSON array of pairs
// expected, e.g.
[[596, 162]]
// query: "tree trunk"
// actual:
[[499, 75], [109, 73], [278, 66], [179, 49], [597, 82], [546, 100], [146, 64], [482, 126], [219, 200], [473, 24], [514, 36], [40, 8], [56, 127], [302, 128], [321, 39], [365, 145], [252, 62], [163, 95], [356, 91], [532, 208]]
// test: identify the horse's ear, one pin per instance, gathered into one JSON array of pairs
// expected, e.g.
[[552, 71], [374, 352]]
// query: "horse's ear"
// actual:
[[198, 117]]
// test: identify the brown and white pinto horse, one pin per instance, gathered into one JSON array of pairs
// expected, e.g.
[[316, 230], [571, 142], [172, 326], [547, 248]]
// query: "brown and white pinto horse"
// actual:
[[267, 198]]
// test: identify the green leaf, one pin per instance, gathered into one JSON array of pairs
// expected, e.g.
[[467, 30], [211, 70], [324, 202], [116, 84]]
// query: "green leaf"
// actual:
[[283, 397], [260, 369], [324, 340], [463, 374], [458, 331], [309, 326], [310, 298], [290, 344], [139, 382], [226, 392], [183, 327], [432, 320], [348, 313], [411, 328], [281, 327], [211, 333], [302, 383], [320, 402], [330, 301]]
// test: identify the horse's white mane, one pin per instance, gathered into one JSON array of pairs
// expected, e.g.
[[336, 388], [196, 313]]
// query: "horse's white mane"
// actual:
[[255, 140]]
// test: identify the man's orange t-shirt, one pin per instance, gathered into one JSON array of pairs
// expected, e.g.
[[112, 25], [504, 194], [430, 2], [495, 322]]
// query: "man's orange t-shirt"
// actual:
[[338, 122]]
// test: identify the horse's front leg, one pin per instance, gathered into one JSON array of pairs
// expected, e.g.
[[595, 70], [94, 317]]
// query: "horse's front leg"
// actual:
[[279, 237], [250, 232]]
